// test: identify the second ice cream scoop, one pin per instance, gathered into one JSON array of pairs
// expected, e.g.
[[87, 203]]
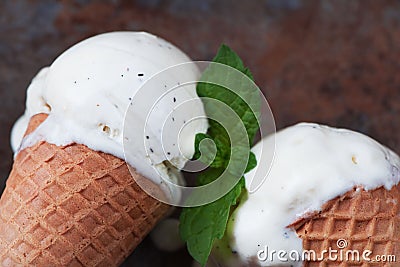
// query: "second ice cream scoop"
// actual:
[[315, 168]]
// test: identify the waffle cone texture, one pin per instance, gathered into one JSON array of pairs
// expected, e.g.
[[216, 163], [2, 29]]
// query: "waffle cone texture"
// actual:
[[72, 206], [358, 220]]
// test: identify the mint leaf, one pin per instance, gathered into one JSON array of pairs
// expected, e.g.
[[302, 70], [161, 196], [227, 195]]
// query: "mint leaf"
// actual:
[[209, 175], [200, 234], [209, 150], [229, 57], [252, 163], [200, 226]]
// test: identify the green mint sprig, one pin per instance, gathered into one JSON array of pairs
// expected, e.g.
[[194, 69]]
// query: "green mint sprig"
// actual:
[[200, 226]]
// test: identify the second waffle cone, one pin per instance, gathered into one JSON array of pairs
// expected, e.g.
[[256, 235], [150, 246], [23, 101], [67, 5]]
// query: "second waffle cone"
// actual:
[[356, 221], [72, 206]]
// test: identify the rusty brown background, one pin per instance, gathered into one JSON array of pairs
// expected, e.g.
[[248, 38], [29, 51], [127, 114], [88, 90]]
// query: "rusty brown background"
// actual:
[[333, 62]]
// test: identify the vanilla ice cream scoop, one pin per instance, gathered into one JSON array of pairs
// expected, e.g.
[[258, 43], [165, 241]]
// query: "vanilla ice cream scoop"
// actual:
[[88, 88], [313, 164]]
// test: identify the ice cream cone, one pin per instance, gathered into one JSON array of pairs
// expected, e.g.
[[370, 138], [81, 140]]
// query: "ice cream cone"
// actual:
[[356, 221], [72, 206]]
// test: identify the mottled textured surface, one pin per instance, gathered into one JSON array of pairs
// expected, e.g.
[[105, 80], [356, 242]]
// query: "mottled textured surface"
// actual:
[[334, 62]]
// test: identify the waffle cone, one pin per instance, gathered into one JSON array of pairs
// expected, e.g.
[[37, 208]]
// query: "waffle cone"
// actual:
[[358, 220], [72, 206]]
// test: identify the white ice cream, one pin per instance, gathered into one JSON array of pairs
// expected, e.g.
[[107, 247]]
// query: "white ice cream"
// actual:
[[312, 165], [87, 90], [166, 237]]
